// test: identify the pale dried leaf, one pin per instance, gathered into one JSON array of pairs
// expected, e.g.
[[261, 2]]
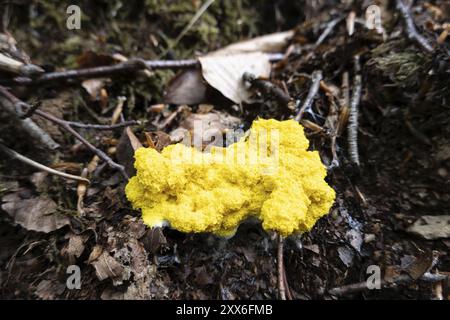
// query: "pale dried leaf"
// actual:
[[75, 247], [224, 73], [431, 227], [94, 86], [274, 42]]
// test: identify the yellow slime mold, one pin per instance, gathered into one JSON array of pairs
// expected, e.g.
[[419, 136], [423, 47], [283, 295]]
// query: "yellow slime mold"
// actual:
[[270, 175]]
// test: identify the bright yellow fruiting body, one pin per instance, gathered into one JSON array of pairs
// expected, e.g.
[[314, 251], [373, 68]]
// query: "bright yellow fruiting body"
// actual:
[[269, 175]]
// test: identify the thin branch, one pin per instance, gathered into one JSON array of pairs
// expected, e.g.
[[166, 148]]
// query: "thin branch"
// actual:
[[127, 67], [15, 155], [411, 30], [66, 126], [315, 78], [404, 278], [330, 26], [281, 272], [13, 106], [102, 126], [352, 127]]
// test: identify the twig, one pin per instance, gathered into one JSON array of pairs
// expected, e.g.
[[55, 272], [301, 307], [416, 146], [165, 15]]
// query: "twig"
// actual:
[[330, 26], [66, 126], [354, 111], [131, 65], [27, 110], [18, 67], [102, 126], [281, 272], [27, 125], [411, 30], [267, 87], [404, 278], [15, 155], [315, 78]]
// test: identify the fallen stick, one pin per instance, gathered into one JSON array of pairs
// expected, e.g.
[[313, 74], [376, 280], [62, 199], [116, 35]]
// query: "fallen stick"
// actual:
[[15, 155], [131, 65], [361, 286], [315, 78], [281, 283], [352, 127], [411, 30], [26, 125], [330, 26], [67, 126]]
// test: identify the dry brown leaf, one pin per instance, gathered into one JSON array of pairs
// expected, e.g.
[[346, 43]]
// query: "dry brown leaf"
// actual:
[[187, 87], [126, 147], [36, 214], [153, 239], [107, 267], [158, 140], [224, 72], [75, 247]]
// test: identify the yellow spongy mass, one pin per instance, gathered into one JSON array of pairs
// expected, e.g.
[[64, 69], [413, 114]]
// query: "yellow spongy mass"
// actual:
[[269, 175]]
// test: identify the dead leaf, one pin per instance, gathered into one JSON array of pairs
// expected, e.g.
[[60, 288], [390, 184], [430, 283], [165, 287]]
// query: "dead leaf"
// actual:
[[274, 42], [346, 255], [391, 273], [158, 140], [90, 59], [416, 266], [224, 72], [107, 267], [93, 87], [187, 87], [153, 239], [313, 247], [203, 129], [431, 227], [355, 238], [95, 253], [75, 247], [36, 214], [49, 289], [128, 144]]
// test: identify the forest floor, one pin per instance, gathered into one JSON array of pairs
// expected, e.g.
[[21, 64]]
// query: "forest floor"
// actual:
[[378, 216]]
